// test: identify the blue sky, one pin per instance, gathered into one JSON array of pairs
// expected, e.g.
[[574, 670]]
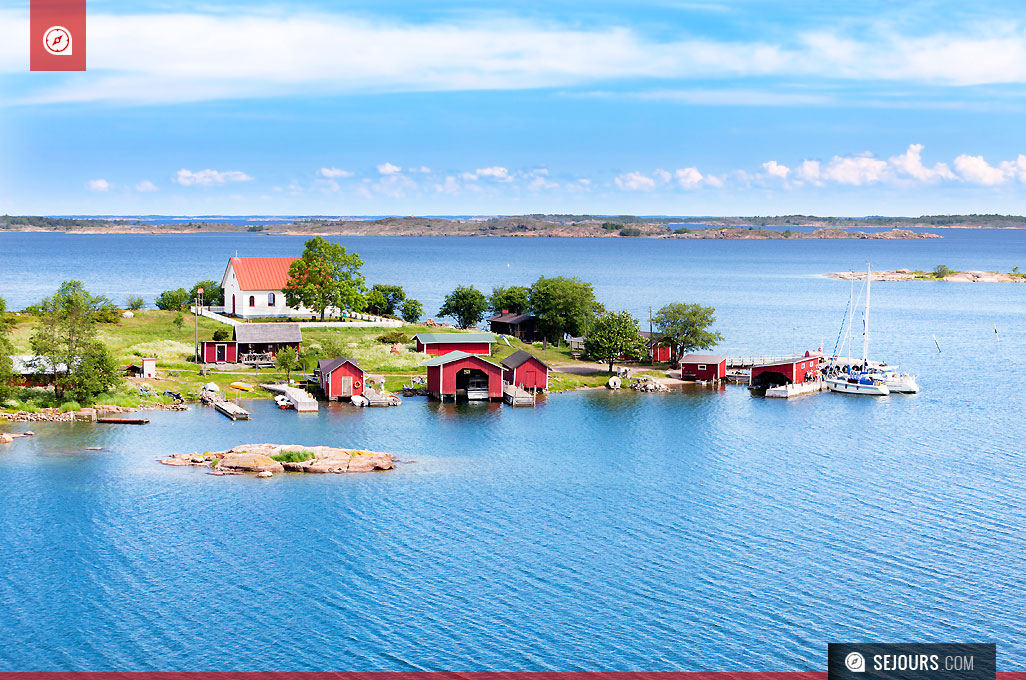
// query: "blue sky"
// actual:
[[690, 108]]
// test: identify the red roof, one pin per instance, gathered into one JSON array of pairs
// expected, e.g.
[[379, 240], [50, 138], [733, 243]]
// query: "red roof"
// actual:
[[261, 273]]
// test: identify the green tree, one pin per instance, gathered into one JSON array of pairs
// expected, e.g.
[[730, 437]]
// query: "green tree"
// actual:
[[222, 335], [564, 306], [614, 335], [514, 298], [385, 299], [287, 360], [467, 305], [135, 303], [942, 270], [65, 338], [412, 310], [6, 350], [213, 294], [98, 372], [179, 321], [326, 276], [173, 300], [686, 327]]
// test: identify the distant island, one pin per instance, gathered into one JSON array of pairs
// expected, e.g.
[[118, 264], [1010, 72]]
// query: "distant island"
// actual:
[[555, 226], [940, 273]]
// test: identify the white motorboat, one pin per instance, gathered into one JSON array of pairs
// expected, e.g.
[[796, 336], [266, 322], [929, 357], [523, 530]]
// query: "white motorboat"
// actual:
[[857, 383], [477, 388], [895, 381]]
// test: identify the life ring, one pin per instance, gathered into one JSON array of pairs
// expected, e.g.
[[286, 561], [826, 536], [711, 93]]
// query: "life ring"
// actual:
[[357, 384]]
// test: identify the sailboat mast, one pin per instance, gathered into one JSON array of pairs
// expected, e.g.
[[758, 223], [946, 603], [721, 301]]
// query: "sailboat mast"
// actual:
[[865, 335]]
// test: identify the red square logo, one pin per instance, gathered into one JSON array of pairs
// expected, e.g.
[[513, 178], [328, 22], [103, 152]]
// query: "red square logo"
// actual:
[[58, 40]]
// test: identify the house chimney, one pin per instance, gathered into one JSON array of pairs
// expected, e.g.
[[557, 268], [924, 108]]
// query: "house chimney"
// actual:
[[505, 311]]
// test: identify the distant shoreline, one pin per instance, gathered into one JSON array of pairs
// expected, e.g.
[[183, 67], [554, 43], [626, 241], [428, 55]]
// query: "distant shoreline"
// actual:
[[967, 276]]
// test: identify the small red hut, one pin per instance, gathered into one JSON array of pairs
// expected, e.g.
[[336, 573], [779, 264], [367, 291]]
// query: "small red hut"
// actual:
[[525, 370], [703, 367], [341, 377], [461, 375], [786, 371], [438, 344]]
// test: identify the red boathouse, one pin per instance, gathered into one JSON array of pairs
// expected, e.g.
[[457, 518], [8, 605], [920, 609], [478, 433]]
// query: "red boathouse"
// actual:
[[525, 370], [659, 351], [463, 375], [438, 344], [786, 371], [703, 367], [341, 377]]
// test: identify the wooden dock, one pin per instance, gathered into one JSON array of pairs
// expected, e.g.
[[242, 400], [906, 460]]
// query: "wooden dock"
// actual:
[[376, 398], [796, 389], [301, 401], [124, 421], [518, 396], [231, 410]]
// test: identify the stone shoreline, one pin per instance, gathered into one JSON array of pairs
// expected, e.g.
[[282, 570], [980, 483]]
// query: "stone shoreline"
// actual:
[[257, 458], [969, 276], [86, 415]]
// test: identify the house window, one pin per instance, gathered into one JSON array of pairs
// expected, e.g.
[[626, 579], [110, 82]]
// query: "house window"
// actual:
[[701, 367], [252, 301], [270, 299]]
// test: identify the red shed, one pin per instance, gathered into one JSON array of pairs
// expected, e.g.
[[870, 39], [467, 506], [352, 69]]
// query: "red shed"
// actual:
[[525, 370], [219, 352], [786, 371], [659, 351], [438, 344], [341, 377], [463, 375], [703, 367]]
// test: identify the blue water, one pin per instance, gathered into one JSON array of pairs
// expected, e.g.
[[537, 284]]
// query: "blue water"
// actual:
[[698, 530]]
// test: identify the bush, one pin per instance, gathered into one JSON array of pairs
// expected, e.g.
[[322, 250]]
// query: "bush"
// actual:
[[412, 310], [179, 321], [612, 226], [942, 270], [682, 230], [70, 406], [630, 231], [293, 456], [106, 312], [222, 335], [393, 337], [135, 303], [172, 300]]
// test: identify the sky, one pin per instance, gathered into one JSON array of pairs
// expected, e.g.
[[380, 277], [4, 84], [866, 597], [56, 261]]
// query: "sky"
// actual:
[[650, 107]]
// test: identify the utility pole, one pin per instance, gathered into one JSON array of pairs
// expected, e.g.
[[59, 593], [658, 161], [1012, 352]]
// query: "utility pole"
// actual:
[[195, 319]]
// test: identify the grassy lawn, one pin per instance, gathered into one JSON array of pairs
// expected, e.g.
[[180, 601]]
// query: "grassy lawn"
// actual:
[[153, 333]]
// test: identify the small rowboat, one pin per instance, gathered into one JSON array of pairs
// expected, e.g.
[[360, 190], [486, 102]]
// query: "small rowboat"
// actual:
[[245, 387]]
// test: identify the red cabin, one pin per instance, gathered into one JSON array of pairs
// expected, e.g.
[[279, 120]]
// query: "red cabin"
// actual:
[[341, 377], [525, 370], [253, 343], [786, 371], [703, 367], [461, 375], [219, 352], [438, 344], [659, 351]]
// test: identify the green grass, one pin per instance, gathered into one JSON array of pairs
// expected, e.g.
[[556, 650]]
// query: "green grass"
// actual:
[[293, 456]]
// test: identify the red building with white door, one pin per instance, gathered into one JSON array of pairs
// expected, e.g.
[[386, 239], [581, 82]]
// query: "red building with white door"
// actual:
[[456, 374], [525, 370], [787, 371], [341, 378], [703, 367]]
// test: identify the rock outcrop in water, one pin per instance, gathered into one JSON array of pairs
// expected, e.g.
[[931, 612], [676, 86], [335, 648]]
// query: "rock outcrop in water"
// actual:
[[291, 458]]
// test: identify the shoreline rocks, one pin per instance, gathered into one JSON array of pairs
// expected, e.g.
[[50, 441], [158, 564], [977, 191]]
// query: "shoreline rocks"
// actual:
[[969, 276], [259, 458], [54, 415]]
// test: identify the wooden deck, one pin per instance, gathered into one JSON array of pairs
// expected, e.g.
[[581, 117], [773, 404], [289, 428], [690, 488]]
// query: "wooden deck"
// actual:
[[300, 399], [376, 398], [517, 396], [231, 410]]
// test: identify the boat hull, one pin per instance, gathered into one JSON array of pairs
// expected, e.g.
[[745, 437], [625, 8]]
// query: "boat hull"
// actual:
[[842, 386]]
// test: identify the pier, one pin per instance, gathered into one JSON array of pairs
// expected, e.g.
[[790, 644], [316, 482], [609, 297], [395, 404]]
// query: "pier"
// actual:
[[301, 400], [231, 410], [796, 389], [518, 396], [376, 398]]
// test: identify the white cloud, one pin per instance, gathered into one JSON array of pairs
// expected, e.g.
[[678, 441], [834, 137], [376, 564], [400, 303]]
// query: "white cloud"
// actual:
[[422, 169], [978, 171], [688, 178], [269, 51], [496, 172], [208, 177], [661, 175], [856, 170], [145, 186], [98, 185], [388, 169], [911, 163], [334, 173], [1016, 168], [635, 181], [774, 169], [808, 171]]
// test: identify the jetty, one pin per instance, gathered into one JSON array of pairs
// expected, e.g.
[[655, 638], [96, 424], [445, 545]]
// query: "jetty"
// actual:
[[515, 395], [124, 421], [231, 410], [376, 398], [301, 400], [796, 389]]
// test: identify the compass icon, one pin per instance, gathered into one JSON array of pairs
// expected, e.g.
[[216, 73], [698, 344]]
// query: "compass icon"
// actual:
[[57, 41]]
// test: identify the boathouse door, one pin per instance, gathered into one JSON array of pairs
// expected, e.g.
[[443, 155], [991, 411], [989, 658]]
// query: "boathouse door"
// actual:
[[222, 353], [347, 386]]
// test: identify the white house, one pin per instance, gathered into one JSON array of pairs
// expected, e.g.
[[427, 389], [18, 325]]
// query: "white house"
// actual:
[[253, 288]]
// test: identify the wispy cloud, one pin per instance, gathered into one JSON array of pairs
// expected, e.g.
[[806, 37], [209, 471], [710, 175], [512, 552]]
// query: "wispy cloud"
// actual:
[[208, 177], [98, 185], [334, 173], [142, 58], [145, 186]]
